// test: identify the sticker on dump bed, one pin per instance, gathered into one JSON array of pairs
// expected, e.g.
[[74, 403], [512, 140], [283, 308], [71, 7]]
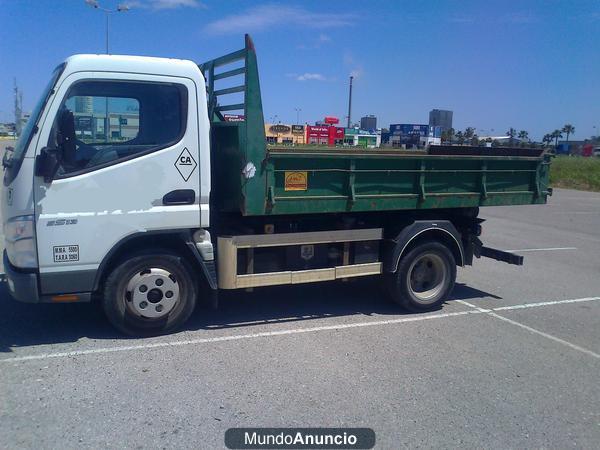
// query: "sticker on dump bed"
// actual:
[[65, 253], [296, 181]]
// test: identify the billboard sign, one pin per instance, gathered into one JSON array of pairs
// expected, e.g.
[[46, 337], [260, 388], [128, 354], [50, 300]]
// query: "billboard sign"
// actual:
[[317, 131], [409, 133], [279, 128], [234, 117], [408, 129], [298, 129]]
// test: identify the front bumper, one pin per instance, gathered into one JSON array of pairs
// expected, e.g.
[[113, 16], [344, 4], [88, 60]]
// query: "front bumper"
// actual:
[[23, 286]]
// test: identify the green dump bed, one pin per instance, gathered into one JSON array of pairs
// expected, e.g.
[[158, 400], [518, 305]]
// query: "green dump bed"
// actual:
[[255, 179]]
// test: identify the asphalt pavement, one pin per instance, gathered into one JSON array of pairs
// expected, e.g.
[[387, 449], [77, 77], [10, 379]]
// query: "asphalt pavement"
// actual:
[[511, 361]]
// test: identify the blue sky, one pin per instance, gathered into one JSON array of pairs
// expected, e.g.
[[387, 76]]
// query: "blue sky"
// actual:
[[529, 64]]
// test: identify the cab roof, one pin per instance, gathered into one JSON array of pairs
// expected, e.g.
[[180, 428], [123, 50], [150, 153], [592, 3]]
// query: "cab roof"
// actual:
[[133, 64]]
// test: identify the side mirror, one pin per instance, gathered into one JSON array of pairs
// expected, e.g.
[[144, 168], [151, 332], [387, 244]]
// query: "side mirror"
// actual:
[[66, 135], [7, 158], [47, 163]]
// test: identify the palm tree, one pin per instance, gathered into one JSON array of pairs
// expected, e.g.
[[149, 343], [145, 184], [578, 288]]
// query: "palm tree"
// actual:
[[556, 135], [450, 134], [547, 139], [511, 133], [568, 129], [444, 136], [523, 135], [460, 137]]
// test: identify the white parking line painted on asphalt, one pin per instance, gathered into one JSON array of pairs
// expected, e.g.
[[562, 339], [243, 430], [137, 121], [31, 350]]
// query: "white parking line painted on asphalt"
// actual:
[[93, 351], [584, 213], [534, 305], [235, 337], [546, 335], [530, 305], [491, 313], [471, 305], [549, 249]]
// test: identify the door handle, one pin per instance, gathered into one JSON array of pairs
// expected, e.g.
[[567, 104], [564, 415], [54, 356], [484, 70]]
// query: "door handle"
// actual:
[[180, 197]]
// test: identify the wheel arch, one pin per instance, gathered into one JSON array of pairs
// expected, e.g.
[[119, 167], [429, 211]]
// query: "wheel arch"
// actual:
[[419, 231], [178, 241]]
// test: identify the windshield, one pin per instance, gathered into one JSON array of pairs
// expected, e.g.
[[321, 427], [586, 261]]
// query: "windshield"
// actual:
[[13, 161]]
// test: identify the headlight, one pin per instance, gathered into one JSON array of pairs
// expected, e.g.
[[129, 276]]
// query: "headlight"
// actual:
[[19, 236]]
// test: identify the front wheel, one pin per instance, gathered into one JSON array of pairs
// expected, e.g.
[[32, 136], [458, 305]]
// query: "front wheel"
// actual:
[[425, 277], [150, 294]]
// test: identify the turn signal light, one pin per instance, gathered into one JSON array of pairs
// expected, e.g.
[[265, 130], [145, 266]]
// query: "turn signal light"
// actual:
[[65, 298]]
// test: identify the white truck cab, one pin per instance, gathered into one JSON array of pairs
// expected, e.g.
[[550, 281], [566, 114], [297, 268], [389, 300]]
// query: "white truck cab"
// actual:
[[134, 159]]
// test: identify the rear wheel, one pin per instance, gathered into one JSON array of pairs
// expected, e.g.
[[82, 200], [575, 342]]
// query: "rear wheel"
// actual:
[[425, 277], [150, 294]]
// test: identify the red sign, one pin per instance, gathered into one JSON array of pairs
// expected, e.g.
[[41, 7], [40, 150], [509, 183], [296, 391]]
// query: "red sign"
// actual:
[[324, 135], [331, 120], [317, 131]]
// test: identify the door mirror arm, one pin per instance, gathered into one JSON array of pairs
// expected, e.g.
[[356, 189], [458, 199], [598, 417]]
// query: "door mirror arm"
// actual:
[[47, 163]]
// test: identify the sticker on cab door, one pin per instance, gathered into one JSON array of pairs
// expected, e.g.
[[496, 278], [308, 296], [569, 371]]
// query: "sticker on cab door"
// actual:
[[185, 164], [296, 181], [65, 253]]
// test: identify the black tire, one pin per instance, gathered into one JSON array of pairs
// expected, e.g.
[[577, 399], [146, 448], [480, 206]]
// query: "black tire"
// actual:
[[425, 277], [123, 294]]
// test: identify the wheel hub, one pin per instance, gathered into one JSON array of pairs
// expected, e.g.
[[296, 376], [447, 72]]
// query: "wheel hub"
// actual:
[[152, 293], [427, 276]]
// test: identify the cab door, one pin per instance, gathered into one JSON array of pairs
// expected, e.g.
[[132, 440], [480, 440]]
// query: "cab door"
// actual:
[[129, 164]]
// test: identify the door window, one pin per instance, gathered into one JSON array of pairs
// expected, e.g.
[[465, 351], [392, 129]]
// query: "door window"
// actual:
[[104, 122]]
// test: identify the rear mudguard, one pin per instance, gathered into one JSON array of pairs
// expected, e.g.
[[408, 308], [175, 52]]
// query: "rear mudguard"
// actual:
[[444, 229]]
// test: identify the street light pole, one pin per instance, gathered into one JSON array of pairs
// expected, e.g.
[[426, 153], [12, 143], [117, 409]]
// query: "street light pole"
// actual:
[[297, 115], [107, 12]]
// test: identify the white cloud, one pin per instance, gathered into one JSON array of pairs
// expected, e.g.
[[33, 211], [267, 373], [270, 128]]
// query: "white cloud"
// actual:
[[311, 76], [322, 39], [267, 16], [307, 76]]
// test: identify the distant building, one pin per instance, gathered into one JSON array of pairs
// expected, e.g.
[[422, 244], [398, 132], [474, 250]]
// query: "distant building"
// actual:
[[571, 147], [7, 130], [440, 118], [278, 133], [408, 135], [368, 123], [361, 138], [84, 105]]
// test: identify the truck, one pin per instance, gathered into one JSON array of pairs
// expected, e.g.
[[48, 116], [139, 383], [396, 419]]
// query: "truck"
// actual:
[[129, 187]]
